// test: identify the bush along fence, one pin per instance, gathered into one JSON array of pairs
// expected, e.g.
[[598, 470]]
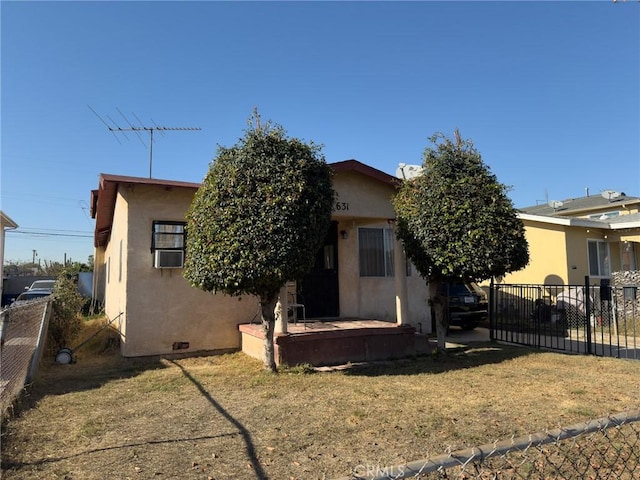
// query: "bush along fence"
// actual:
[[601, 319], [607, 448], [23, 330]]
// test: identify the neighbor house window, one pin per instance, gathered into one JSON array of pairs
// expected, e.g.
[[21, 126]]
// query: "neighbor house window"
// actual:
[[599, 263], [603, 216], [376, 252], [168, 244]]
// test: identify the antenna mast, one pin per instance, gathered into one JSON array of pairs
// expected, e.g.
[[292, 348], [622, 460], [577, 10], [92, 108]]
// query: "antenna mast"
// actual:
[[138, 129], [151, 130]]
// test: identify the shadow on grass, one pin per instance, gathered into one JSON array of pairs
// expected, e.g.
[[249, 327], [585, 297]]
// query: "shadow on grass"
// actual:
[[87, 373], [471, 355], [9, 464], [244, 433]]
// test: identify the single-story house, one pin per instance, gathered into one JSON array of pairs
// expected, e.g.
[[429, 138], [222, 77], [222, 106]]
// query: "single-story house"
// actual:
[[360, 272]]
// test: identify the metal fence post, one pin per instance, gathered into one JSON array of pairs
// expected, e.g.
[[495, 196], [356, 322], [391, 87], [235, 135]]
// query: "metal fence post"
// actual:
[[492, 320], [42, 337], [587, 303]]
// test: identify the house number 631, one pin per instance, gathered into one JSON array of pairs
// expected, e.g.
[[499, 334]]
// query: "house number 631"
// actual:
[[342, 206]]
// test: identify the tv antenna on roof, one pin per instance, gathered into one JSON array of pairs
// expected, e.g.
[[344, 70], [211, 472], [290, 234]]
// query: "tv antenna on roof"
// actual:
[[137, 129]]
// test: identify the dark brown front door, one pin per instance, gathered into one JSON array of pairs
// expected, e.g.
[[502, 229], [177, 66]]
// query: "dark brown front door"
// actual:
[[319, 289]]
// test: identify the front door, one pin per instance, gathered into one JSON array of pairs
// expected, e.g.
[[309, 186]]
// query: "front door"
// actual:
[[319, 288]]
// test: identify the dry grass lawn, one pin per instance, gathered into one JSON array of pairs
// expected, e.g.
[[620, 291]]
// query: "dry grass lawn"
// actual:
[[223, 417]]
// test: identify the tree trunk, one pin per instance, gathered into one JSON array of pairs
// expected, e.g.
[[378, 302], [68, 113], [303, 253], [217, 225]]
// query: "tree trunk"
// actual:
[[441, 319], [268, 306]]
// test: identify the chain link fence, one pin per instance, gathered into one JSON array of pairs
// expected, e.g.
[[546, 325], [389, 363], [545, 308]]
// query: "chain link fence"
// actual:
[[607, 448], [23, 331]]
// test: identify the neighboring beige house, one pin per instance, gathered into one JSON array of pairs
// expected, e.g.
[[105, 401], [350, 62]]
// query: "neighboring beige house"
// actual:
[[360, 272], [5, 224], [590, 236]]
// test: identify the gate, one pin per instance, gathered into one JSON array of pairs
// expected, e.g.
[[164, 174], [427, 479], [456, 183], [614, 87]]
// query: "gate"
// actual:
[[601, 320]]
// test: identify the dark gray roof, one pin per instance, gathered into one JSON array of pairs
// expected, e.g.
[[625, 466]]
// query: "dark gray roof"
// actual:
[[580, 205]]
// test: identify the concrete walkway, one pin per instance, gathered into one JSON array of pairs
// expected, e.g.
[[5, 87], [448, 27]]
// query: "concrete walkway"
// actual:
[[602, 345], [458, 337]]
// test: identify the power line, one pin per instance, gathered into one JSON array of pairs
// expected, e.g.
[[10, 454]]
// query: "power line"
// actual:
[[47, 234], [58, 230]]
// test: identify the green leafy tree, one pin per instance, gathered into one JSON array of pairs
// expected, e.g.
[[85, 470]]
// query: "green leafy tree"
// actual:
[[65, 321], [457, 223], [258, 219]]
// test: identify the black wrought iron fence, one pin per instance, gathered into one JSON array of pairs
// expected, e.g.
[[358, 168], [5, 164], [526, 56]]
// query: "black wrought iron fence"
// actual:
[[589, 319], [606, 448], [22, 332]]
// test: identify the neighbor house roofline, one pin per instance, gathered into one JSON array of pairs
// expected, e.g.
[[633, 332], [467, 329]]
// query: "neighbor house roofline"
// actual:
[[572, 207], [619, 223], [7, 222], [103, 200]]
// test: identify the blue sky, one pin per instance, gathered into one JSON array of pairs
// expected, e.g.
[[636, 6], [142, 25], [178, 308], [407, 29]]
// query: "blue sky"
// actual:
[[548, 92]]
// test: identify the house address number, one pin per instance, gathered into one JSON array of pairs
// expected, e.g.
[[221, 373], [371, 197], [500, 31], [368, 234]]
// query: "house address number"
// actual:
[[342, 205]]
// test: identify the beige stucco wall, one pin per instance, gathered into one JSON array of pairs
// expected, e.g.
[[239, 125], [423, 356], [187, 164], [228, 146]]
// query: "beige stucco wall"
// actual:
[[114, 283], [359, 196], [375, 297], [369, 205], [160, 307]]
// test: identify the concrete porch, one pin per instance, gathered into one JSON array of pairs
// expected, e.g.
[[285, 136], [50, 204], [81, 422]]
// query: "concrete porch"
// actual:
[[334, 342]]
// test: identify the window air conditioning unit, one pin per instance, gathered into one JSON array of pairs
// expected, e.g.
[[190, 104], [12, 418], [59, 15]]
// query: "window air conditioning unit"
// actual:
[[168, 259]]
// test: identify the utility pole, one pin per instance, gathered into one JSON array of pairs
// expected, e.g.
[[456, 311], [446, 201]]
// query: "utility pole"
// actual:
[[137, 129], [35, 254]]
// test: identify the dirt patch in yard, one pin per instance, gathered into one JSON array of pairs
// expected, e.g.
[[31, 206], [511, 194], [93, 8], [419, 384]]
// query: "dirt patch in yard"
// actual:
[[223, 417]]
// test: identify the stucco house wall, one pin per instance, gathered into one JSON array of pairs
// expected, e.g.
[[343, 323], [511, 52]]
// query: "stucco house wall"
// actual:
[[547, 255], [374, 297], [158, 309], [115, 287], [558, 250], [365, 202], [361, 197]]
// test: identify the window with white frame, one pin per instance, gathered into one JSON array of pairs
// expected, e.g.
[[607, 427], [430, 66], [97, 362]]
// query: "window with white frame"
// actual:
[[376, 252], [168, 244], [599, 260]]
